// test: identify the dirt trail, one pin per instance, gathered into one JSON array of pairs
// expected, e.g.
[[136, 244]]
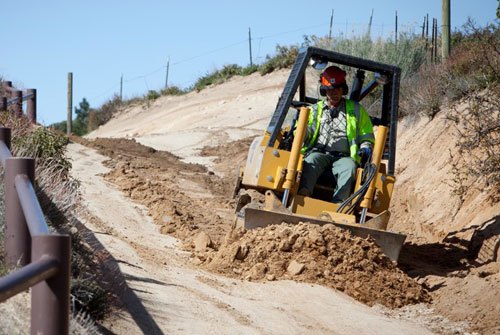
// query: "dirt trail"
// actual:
[[163, 289]]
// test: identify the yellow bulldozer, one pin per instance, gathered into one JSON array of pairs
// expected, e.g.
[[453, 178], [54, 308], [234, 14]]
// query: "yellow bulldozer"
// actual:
[[267, 188]]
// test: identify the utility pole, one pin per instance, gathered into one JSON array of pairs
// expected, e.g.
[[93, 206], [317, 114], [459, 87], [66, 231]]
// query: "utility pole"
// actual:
[[121, 87], [423, 29], [331, 23], [396, 30], [426, 31], [370, 26], [250, 45], [166, 76], [434, 40], [69, 119], [445, 33]]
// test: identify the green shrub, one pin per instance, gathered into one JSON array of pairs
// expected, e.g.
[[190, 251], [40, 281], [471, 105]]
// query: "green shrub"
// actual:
[[172, 90], [152, 95], [409, 54], [246, 71], [42, 143], [285, 57], [218, 76]]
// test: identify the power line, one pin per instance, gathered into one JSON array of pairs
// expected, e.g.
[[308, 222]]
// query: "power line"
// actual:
[[209, 52], [261, 38]]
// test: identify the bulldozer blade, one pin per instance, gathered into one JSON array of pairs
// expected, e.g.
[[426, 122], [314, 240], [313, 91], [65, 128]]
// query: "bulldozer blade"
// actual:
[[390, 243]]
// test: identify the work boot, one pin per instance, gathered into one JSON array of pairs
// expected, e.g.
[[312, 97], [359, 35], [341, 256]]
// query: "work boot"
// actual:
[[304, 191]]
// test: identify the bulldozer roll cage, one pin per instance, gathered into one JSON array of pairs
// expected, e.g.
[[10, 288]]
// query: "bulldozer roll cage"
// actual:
[[390, 96]]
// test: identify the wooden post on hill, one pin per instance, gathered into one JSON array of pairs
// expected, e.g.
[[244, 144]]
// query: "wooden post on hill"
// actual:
[[166, 76], [121, 87], [331, 23], [250, 45], [70, 104], [445, 30], [396, 31]]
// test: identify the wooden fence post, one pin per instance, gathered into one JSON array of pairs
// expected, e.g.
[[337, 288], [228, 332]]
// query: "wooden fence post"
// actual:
[[50, 298], [3, 104], [17, 236], [31, 105], [7, 85], [17, 109]]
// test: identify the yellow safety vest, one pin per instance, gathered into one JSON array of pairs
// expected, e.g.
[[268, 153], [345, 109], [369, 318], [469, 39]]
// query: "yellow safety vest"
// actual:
[[359, 127]]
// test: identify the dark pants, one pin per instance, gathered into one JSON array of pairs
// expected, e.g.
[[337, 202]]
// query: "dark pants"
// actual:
[[343, 169]]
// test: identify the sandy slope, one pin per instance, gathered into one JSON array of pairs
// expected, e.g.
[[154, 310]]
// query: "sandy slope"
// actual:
[[183, 125]]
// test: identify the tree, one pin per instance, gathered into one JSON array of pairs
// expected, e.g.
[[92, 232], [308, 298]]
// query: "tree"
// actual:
[[82, 116]]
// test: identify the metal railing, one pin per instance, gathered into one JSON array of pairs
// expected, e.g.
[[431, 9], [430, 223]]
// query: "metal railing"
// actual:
[[44, 257], [13, 100]]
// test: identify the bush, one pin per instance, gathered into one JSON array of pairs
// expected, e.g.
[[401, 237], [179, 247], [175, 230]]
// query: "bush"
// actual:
[[473, 65], [218, 76], [423, 92], [478, 142], [152, 95], [103, 114], [284, 58], [246, 71], [172, 90], [476, 55]]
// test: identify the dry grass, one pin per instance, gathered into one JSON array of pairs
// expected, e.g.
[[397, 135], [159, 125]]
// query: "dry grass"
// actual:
[[58, 195], [18, 321]]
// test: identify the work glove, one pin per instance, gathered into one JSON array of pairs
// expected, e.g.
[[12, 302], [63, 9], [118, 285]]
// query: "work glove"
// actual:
[[365, 153]]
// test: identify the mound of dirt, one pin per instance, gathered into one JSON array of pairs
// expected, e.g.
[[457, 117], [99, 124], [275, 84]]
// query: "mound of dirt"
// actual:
[[227, 156], [182, 198], [324, 255]]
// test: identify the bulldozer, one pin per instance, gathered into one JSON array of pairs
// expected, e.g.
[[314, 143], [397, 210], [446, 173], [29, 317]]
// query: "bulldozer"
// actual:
[[267, 186]]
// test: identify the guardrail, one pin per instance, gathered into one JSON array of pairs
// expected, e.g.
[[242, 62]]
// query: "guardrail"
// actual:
[[14, 98], [44, 257]]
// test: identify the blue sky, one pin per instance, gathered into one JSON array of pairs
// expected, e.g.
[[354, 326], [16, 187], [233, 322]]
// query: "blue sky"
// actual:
[[99, 41]]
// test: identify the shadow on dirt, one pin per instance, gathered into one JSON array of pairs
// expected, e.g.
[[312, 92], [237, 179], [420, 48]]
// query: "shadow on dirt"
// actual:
[[118, 285], [112, 277], [458, 253], [438, 259]]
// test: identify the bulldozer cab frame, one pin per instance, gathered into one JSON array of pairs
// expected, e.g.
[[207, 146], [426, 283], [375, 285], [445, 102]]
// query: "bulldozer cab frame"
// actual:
[[267, 187], [385, 76]]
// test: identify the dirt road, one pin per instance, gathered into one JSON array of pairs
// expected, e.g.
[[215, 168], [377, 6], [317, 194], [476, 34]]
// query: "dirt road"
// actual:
[[164, 291]]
